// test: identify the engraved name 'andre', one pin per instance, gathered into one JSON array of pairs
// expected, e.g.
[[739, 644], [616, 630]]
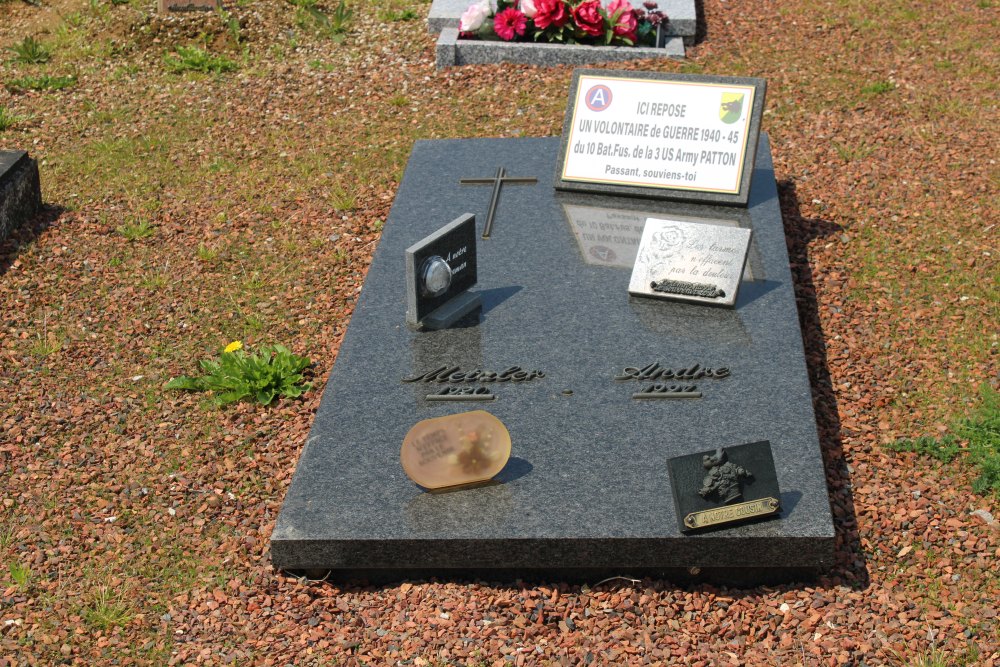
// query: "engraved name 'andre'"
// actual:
[[655, 371], [657, 374], [455, 374]]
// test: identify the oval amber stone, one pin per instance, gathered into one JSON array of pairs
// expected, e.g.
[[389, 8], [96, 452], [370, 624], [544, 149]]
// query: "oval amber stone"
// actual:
[[457, 449]]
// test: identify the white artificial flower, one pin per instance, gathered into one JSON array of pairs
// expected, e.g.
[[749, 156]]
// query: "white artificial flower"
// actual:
[[474, 16]]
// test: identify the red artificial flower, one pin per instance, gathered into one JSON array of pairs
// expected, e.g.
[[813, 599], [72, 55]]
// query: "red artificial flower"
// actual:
[[508, 23], [626, 25], [588, 17], [550, 13]]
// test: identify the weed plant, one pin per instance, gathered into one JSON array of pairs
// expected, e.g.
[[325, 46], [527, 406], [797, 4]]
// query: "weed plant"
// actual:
[[31, 51], [237, 375], [134, 231], [194, 59], [8, 119], [392, 16], [20, 574], [332, 25], [43, 82], [232, 25]]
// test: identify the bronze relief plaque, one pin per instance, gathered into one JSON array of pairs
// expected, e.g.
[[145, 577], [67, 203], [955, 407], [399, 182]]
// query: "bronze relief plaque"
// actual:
[[724, 486]]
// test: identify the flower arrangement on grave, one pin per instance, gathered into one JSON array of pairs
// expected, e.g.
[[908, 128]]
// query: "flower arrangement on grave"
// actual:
[[563, 22]]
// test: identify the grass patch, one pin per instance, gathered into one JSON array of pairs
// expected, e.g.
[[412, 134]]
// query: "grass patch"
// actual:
[[134, 231], [392, 16], [44, 82], [194, 59], [981, 430], [342, 199], [331, 25], [107, 610], [878, 88], [20, 574], [30, 51], [206, 253], [46, 345], [7, 530], [8, 119], [852, 153], [944, 449]]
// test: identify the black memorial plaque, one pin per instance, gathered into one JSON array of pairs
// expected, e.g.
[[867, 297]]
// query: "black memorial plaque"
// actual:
[[453, 249], [724, 486]]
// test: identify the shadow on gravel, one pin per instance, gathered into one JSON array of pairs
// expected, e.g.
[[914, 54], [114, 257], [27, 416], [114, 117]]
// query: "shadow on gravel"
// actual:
[[26, 234], [850, 566]]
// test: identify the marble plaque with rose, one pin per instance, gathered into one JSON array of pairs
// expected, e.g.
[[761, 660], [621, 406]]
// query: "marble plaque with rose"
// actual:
[[686, 261]]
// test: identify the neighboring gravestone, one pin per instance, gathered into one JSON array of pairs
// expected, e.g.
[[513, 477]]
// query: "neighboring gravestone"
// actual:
[[166, 6], [681, 16], [566, 360], [20, 190], [672, 34]]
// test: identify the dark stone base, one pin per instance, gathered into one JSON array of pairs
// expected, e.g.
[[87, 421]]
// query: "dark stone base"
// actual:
[[734, 577], [20, 190]]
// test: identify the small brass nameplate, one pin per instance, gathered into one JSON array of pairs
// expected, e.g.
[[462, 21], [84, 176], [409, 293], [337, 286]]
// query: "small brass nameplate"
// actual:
[[739, 512]]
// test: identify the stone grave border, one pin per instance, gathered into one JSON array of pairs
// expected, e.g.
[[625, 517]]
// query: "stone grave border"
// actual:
[[451, 51]]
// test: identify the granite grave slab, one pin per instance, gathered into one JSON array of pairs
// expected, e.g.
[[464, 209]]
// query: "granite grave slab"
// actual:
[[20, 190], [587, 490]]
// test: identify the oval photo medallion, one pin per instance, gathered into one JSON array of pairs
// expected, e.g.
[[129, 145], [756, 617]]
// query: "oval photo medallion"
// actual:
[[454, 450]]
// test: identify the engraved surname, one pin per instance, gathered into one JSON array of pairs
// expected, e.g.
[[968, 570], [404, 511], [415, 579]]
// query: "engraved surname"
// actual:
[[455, 375]]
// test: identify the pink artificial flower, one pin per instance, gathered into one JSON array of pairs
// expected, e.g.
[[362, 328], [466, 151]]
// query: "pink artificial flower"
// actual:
[[550, 13], [626, 25], [510, 22], [527, 8], [588, 17]]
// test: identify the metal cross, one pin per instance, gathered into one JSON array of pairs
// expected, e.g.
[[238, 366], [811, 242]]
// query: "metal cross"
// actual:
[[497, 181]]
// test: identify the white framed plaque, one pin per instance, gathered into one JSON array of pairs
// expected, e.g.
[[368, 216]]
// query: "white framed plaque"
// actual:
[[667, 136], [687, 261]]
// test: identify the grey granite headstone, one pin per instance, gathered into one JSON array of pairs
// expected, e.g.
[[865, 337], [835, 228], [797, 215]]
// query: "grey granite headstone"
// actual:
[[20, 191], [587, 490]]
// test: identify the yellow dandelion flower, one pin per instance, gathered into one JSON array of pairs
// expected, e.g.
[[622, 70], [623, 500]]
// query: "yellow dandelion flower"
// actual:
[[232, 347]]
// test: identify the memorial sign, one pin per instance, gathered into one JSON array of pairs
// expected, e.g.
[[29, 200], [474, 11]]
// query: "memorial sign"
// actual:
[[690, 262], [671, 136]]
